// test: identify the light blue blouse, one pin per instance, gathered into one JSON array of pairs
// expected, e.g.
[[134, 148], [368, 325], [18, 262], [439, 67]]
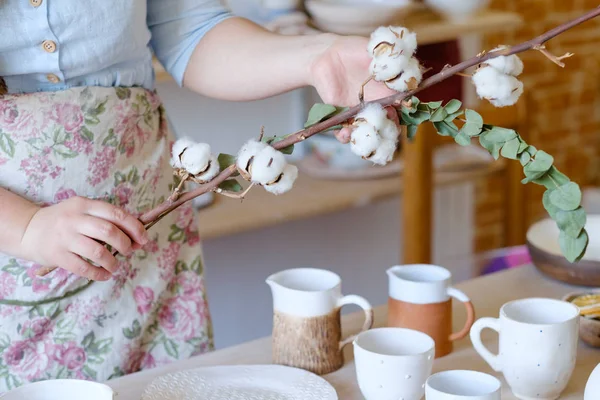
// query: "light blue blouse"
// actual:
[[48, 45]]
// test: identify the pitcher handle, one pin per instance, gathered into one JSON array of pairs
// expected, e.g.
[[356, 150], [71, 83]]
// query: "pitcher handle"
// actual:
[[369, 316], [478, 326], [463, 298]]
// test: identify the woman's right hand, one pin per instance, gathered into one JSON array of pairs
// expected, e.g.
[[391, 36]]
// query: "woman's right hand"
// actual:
[[61, 234]]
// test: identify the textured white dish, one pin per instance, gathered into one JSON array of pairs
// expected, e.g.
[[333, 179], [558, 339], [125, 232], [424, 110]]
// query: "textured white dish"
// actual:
[[253, 382], [358, 17]]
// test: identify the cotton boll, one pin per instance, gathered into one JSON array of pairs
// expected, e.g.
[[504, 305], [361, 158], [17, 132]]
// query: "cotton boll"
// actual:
[[195, 158], [285, 182], [178, 148], [406, 42], [384, 153], [409, 79], [268, 164], [510, 65], [511, 99], [212, 171], [246, 153], [374, 114], [386, 67], [364, 140], [382, 41], [389, 131]]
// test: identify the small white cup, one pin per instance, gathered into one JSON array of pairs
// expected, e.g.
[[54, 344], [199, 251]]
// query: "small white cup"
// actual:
[[393, 363], [61, 389], [462, 385]]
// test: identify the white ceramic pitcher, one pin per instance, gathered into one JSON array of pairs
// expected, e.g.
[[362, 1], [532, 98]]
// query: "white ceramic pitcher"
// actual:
[[306, 322], [61, 389]]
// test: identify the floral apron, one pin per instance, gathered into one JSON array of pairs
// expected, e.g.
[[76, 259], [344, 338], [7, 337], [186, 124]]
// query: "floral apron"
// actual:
[[111, 144]]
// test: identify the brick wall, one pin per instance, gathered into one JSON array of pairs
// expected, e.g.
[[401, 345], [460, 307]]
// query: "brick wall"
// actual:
[[563, 106]]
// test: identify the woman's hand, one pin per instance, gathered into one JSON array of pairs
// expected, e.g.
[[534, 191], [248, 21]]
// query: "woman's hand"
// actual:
[[340, 71], [65, 234]]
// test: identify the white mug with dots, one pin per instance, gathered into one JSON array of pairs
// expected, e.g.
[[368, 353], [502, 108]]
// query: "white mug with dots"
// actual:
[[537, 346], [393, 363]]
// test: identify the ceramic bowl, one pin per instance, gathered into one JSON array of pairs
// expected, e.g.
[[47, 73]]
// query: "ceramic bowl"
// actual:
[[542, 242], [589, 329], [358, 17], [61, 389], [457, 10]]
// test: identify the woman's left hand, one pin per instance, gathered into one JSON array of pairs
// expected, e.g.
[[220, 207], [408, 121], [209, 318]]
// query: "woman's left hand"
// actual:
[[340, 71]]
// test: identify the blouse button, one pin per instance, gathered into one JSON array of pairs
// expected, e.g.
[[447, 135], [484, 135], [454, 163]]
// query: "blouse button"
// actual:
[[53, 78], [35, 3], [49, 46]]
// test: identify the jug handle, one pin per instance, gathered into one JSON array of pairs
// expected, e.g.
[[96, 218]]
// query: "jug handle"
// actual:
[[460, 296], [369, 315]]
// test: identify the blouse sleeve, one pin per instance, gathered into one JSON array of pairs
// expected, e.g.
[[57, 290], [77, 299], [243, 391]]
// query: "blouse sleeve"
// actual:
[[177, 26]]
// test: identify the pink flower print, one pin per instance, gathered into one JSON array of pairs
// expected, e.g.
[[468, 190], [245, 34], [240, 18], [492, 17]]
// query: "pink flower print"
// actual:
[[37, 328], [8, 284], [125, 273], [43, 285], [7, 311], [85, 310], [182, 317], [137, 359], [144, 297], [167, 261], [190, 283], [70, 355], [79, 145], [186, 221], [14, 120], [101, 164], [64, 194], [202, 348], [3, 160], [28, 358], [123, 193], [69, 116], [37, 169], [152, 246]]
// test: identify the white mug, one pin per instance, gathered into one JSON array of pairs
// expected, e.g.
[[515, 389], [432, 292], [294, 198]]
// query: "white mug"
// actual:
[[537, 347], [393, 363], [462, 385], [61, 389]]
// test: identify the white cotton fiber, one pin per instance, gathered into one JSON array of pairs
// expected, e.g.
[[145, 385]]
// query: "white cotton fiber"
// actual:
[[406, 42], [395, 40], [179, 147], [384, 153], [383, 34], [386, 67], [248, 150], [212, 171], [268, 164], [374, 114], [389, 131], [412, 73], [286, 182], [510, 65], [364, 140], [511, 99], [195, 158]]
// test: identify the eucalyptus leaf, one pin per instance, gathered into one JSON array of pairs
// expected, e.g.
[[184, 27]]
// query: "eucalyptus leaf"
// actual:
[[571, 222], [492, 147], [552, 178], [320, 112], [462, 139], [567, 197], [573, 248], [417, 118], [539, 166], [510, 149], [522, 146], [434, 104], [231, 185], [411, 131], [453, 106], [500, 135], [446, 128], [474, 118], [439, 115], [550, 208], [531, 150], [453, 116], [474, 123]]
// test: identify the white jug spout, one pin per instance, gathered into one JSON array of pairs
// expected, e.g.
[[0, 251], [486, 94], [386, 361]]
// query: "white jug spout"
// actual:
[[391, 272]]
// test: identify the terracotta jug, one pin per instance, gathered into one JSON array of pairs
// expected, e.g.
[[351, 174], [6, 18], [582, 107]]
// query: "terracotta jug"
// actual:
[[420, 298], [307, 329]]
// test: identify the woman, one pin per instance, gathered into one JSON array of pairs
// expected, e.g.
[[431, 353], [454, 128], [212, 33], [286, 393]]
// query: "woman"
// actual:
[[84, 150]]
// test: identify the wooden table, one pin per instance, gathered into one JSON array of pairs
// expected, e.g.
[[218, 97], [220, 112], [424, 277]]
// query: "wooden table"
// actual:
[[488, 294]]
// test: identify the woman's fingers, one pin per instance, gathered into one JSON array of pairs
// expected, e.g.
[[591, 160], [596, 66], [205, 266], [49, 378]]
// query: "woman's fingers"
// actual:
[[105, 231], [79, 266], [123, 220], [95, 252]]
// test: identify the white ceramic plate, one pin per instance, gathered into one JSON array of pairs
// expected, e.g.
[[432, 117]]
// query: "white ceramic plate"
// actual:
[[254, 382]]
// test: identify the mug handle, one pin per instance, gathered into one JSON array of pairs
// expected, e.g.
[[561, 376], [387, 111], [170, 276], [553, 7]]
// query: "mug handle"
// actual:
[[478, 326], [463, 298], [369, 317]]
